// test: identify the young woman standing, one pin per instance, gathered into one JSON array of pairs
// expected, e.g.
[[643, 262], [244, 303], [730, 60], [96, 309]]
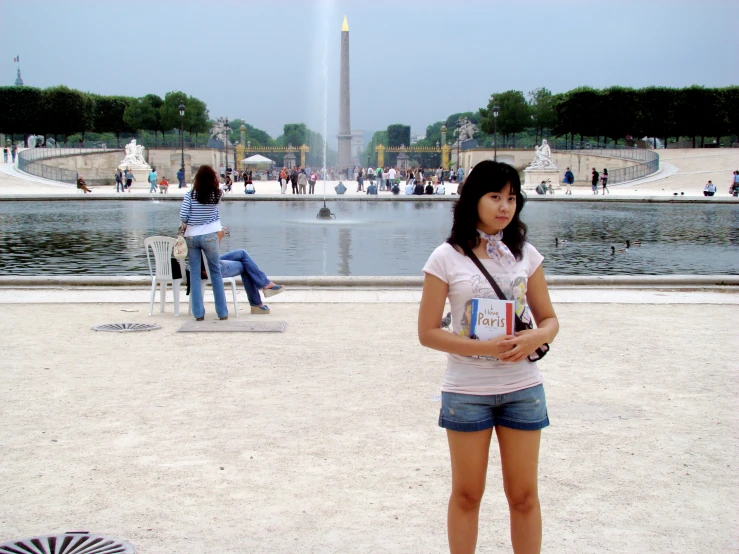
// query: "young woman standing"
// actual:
[[200, 212], [604, 181], [490, 385]]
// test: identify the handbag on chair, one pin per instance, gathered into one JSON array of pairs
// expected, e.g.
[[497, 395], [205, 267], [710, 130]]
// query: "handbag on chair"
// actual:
[[179, 250]]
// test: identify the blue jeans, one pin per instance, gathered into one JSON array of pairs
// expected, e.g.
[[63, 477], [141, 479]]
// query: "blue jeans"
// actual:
[[152, 186], [119, 185], [208, 245], [238, 262]]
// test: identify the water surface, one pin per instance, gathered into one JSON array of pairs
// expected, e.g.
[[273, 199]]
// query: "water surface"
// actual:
[[368, 238]]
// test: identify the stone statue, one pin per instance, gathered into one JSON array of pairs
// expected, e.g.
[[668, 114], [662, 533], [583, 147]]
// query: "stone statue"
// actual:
[[134, 155], [218, 131], [467, 129], [543, 157]]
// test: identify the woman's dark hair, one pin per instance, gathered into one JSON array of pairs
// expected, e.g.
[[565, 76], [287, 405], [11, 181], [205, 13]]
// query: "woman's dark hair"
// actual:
[[205, 188], [605, 171], [487, 176]]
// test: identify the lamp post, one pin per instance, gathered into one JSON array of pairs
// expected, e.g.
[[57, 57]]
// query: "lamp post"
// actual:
[[496, 111], [459, 142], [182, 136], [226, 132]]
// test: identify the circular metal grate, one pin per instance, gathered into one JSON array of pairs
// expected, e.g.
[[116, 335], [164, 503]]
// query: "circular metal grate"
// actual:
[[68, 543], [126, 327]]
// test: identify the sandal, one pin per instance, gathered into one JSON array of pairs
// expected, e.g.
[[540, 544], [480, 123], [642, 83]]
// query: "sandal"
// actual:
[[263, 309], [277, 289]]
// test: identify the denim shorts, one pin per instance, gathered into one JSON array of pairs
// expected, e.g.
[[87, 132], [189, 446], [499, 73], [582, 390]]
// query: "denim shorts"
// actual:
[[524, 409]]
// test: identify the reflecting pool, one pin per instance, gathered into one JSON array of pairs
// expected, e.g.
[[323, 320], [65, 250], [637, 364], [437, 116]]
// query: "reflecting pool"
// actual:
[[368, 238]]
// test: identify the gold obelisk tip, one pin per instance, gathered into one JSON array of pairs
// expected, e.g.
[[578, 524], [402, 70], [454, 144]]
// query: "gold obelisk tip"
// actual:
[[345, 26]]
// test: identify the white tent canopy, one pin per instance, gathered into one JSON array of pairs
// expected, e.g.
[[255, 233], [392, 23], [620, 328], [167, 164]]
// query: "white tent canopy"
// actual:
[[257, 159]]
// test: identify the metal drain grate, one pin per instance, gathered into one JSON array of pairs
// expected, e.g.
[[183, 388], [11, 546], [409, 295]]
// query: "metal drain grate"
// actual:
[[126, 327], [68, 543]]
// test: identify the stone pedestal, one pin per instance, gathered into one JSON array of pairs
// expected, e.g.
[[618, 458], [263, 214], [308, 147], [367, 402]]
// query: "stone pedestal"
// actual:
[[140, 175], [534, 176]]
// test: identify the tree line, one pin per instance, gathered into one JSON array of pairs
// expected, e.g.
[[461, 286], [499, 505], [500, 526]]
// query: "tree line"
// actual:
[[616, 114], [61, 112]]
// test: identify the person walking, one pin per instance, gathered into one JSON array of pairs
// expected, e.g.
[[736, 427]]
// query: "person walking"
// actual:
[[490, 385], [440, 176], [152, 180], [181, 178], [734, 187], [604, 181], [569, 179], [200, 213], [379, 175], [312, 182], [294, 180], [283, 180], [360, 180], [5, 154], [302, 181], [129, 179], [460, 175], [594, 181], [119, 181], [14, 151]]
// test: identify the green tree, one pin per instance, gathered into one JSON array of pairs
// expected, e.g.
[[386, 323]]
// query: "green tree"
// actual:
[[655, 114], [618, 113], [514, 115], [169, 112], [379, 137], [295, 134], [109, 112], [155, 102], [196, 117], [67, 111], [541, 105], [398, 135], [22, 111], [140, 115]]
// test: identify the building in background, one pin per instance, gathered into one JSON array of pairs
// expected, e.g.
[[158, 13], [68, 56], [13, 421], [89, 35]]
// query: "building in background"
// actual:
[[357, 146]]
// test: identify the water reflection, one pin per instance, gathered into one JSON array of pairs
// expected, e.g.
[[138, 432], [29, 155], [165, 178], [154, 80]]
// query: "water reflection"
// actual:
[[368, 238]]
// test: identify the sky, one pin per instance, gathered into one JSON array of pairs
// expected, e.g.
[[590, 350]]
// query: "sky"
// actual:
[[272, 62]]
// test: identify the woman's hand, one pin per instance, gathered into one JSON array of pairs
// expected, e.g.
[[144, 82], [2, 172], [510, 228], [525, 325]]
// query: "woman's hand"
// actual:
[[518, 347], [498, 347]]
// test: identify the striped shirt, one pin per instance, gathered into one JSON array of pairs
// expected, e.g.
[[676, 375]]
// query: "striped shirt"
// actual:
[[194, 213]]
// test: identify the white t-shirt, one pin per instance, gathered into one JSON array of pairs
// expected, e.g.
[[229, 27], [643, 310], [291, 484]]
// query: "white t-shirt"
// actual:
[[440, 189], [409, 189], [474, 375], [391, 174]]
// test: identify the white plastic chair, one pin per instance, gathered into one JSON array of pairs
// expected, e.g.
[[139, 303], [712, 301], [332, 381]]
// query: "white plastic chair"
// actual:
[[226, 281], [161, 273]]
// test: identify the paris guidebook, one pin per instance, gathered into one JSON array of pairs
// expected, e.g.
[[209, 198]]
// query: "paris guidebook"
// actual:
[[491, 318]]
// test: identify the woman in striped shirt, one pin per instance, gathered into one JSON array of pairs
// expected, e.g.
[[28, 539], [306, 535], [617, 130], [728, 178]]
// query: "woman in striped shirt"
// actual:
[[200, 212]]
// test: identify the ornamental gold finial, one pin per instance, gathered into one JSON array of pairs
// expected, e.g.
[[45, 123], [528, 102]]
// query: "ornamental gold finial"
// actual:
[[345, 26]]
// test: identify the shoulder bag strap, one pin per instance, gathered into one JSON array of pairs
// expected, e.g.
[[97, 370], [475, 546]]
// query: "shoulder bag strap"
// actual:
[[540, 352]]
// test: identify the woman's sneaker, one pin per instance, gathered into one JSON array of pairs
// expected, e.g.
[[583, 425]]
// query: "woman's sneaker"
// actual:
[[263, 309]]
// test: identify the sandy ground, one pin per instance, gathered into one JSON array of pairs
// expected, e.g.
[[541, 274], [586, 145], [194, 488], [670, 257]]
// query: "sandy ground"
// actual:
[[683, 170], [324, 438]]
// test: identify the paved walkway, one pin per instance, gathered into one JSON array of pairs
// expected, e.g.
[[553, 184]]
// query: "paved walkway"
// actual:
[[324, 438], [682, 171]]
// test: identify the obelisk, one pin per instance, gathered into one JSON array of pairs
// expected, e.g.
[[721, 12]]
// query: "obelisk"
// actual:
[[345, 132]]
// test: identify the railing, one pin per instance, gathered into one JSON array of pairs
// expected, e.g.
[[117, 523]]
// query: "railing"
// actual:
[[29, 162], [649, 165]]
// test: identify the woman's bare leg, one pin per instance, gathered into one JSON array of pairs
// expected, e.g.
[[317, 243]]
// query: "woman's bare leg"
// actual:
[[469, 455], [519, 455]]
